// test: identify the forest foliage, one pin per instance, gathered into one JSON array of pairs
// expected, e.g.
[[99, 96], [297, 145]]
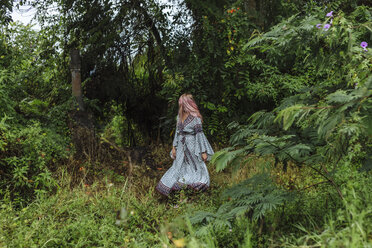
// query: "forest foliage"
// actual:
[[284, 88]]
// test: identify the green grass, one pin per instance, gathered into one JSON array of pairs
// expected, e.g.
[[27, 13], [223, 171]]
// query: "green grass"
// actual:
[[86, 215], [81, 215], [350, 226]]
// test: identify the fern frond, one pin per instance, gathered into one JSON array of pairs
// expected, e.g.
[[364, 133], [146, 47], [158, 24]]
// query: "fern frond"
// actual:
[[340, 96], [202, 217], [224, 157], [288, 115]]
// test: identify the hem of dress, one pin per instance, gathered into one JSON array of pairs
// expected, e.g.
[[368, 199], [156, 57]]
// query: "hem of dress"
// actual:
[[164, 190]]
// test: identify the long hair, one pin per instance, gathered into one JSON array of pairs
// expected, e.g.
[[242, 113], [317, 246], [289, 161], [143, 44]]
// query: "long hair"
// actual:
[[187, 105]]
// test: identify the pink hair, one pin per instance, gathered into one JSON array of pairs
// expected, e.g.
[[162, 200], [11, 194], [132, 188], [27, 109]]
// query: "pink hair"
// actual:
[[187, 104]]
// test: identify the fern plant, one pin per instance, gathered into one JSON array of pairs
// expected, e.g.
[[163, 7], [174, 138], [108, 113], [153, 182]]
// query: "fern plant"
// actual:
[[253, 198], [319, 136]]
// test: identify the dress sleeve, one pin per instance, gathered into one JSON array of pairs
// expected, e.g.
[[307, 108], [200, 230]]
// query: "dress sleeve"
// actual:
[[201, 143], [175, 139]]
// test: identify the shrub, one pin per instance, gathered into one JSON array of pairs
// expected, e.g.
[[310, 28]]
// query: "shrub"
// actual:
[[27, 154]]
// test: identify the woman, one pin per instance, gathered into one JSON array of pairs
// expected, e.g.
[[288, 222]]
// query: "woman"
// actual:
[[190, 150]]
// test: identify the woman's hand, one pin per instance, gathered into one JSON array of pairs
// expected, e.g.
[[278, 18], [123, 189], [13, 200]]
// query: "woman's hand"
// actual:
[[174, 152], [204, 156]]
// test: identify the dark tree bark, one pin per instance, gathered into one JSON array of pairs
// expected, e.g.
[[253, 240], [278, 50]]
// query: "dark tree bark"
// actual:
[[75, 67]]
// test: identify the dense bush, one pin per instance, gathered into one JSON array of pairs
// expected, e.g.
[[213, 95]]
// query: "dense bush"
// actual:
[[324, 126], [33, 128], [28, 153]]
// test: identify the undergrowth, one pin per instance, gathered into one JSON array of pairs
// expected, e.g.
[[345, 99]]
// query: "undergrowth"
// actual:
[[113, 211], [126, 211]]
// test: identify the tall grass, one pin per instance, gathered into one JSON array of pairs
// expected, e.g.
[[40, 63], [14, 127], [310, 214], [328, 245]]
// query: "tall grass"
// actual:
[[350, 226], [107, 213], [128, 213]]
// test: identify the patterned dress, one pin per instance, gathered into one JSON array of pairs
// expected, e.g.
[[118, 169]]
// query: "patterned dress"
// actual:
[[188, 169]]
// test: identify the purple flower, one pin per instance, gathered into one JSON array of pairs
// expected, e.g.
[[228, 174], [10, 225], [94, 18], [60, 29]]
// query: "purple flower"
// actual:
[[364, 45], [319, 25], [330, 14], [327, 26]]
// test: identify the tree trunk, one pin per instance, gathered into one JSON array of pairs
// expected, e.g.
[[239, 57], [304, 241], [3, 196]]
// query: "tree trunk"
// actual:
[[75, 67], [81, 125]]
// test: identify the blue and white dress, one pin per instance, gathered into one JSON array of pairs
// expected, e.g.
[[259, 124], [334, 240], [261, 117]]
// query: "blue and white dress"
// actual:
[[188, 169]]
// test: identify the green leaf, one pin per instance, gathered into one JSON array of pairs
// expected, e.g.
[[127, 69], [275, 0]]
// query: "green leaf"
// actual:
[[340, 96], [288, 115], [222, 158]]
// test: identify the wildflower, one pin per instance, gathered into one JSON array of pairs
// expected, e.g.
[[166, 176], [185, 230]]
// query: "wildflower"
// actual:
[[238, 8], [364, 45], [81, 168], [326, 27], [179, 242], [319, 25], [159, 168], [330, 14]]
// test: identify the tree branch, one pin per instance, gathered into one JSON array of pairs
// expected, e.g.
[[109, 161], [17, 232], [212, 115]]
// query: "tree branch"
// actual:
[[330, 180]]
